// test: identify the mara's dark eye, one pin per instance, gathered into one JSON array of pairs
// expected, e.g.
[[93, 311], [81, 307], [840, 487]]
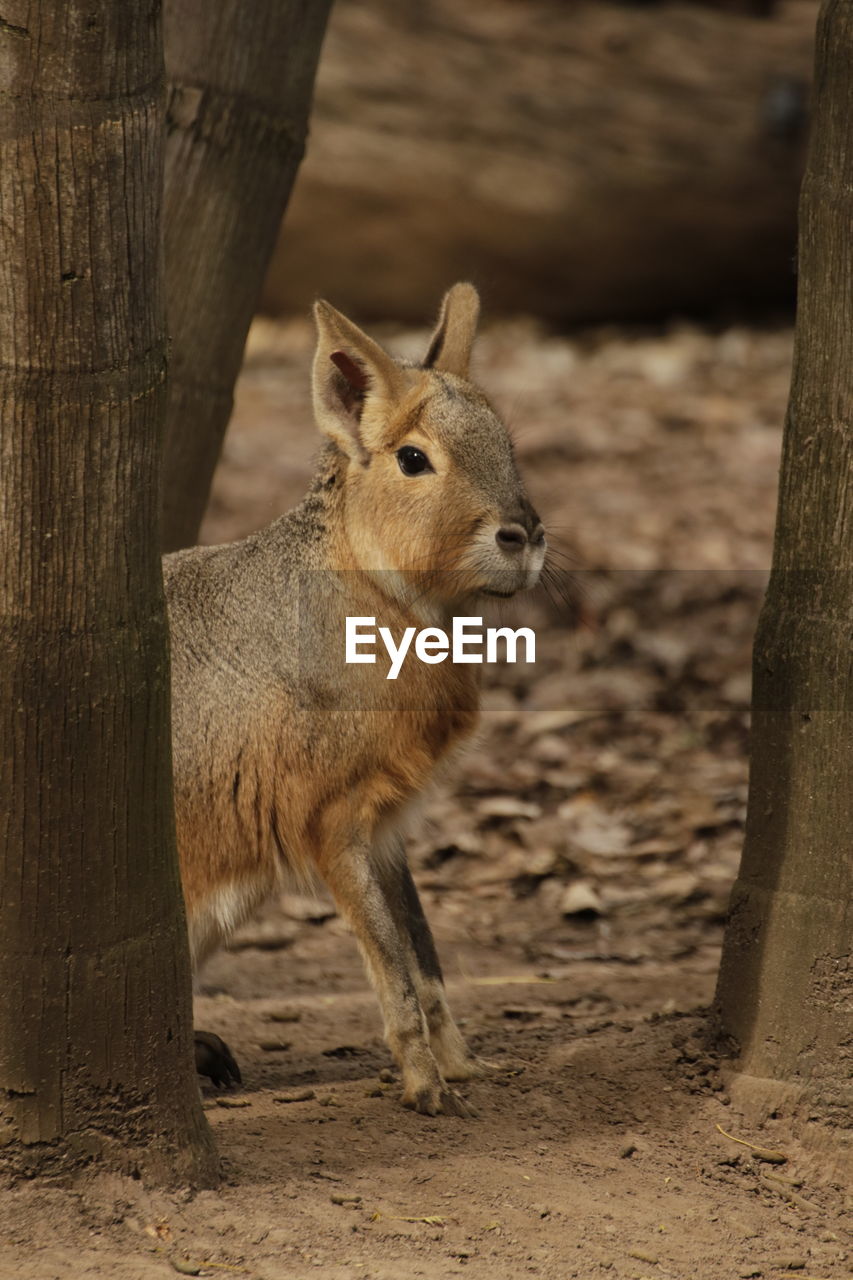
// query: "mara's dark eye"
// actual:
[[412, 461]]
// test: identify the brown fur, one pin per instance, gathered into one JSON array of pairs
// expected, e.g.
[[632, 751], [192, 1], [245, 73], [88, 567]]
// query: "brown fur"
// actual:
[[286, 759]]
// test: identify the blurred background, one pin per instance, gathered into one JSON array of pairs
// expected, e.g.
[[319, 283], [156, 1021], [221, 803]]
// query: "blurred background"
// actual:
[[583, 161], [620, 180]]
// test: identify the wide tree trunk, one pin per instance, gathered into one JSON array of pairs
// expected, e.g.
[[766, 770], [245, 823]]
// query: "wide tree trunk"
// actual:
[[786, 983], [240, 82], [96, 1056], [585, 161]]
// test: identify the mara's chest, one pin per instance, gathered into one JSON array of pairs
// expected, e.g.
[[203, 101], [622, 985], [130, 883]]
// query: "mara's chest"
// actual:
[[414, 733]]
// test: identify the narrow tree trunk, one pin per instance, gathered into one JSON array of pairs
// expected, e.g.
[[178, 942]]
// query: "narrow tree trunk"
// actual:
[[241, 77], [786, 983], [95, 1016]]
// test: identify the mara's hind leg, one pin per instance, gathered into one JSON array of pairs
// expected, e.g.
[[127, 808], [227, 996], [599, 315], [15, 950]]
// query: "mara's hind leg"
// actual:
[[215, 1060], [355, 883], [213, 1057], [446, 1040]]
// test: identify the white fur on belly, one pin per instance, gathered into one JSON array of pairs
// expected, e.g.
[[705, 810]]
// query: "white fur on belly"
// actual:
[[224, 910]]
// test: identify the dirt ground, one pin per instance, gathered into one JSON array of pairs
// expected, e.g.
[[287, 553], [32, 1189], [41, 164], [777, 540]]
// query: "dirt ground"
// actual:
[[575, 869]]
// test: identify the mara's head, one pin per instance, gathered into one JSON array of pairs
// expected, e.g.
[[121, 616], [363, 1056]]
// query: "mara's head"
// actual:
[[432, 494]]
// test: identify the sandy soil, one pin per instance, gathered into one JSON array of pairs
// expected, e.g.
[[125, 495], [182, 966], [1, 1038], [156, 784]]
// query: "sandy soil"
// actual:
[[576, 873]]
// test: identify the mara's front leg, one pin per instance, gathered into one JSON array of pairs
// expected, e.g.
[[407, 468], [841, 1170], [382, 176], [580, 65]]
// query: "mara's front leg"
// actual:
[[355, 883], [454, 1058]]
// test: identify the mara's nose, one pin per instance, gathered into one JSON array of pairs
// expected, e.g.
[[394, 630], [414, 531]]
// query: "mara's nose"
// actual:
[[514, 537], [511, 537]]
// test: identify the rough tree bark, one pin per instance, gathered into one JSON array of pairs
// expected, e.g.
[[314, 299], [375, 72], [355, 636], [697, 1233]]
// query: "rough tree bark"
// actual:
[[96, 1059], [786, 984], [241, 77]]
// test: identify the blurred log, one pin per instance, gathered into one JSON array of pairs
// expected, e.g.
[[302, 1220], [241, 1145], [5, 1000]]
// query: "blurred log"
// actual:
[[585, 160]]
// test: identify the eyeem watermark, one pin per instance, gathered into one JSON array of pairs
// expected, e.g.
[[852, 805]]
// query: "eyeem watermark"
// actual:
[[433, 645]]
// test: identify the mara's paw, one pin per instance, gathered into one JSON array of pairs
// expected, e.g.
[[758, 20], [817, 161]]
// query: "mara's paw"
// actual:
[[469, 1068], [215, 1060], [439, 1101]]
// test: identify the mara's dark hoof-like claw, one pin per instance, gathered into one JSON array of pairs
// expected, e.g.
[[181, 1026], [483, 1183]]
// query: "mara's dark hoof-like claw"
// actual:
[[439, 1102], [453, 1104], [215, 1060]]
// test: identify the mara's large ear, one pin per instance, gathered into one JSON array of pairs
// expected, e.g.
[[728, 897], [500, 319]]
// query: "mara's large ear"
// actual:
[[451, 343], [349, 368]]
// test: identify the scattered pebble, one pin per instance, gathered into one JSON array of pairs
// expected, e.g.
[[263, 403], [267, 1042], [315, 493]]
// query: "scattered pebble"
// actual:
[[184, 1267], [508, 806], [295, 1095], [581, 898], [264, 935], [642, 1256]]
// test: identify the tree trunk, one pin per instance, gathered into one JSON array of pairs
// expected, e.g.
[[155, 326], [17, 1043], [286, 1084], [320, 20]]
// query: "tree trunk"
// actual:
[[584, 161], [786, 983], [240, 83], [96, 1057]]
